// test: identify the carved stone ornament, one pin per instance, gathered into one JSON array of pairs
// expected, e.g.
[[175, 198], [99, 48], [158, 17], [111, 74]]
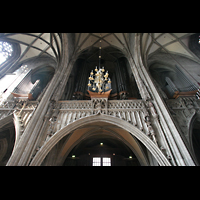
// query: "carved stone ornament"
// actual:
[[133, 111], [99, 104], [183, 110]]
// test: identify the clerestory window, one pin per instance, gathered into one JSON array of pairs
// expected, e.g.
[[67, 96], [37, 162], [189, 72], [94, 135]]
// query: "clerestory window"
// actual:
[[5, 51]]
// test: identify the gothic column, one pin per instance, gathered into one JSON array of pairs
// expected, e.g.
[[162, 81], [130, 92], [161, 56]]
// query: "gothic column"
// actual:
[[23, 150], [170, 133]]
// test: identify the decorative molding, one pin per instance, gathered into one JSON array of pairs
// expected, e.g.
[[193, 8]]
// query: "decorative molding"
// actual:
[[20, 111], [134, 112]]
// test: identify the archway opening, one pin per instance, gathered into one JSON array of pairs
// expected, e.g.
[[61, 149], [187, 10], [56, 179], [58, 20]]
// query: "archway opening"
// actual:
[[98, 140], [196, 139], [59, 146], [101, 150], [172, 81], [32, 86], [40, 78], [7, 141]]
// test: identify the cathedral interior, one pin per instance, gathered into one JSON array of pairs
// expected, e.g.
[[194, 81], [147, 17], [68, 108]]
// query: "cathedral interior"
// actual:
[[99, 99]]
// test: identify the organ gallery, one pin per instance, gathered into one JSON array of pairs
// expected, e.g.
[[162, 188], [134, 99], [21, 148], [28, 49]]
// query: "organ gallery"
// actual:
[[99, 99]]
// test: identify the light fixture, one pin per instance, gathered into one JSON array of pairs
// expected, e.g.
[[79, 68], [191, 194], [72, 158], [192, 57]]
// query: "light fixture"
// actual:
[[99, 82], [130, 157], [101, 144], [73, 156]]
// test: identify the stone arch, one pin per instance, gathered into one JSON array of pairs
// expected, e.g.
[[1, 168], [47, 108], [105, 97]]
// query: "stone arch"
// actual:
[[194, 139], [150, 145], [34, 82], [43, 75], [171, 79], [9, 135], [104, 130]]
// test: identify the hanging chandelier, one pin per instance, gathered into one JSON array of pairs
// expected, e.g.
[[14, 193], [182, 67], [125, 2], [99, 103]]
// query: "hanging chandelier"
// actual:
[[99, 82]]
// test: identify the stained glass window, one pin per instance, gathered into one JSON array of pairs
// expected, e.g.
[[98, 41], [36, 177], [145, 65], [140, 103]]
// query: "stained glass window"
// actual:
[[5, 51]]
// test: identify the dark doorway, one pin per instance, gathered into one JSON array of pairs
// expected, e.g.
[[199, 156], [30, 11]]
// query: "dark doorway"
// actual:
[[104, 151], [7, 140], [196, 140]]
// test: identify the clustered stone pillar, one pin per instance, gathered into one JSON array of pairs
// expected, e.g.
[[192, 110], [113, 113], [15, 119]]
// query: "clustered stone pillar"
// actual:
[[24, 148]]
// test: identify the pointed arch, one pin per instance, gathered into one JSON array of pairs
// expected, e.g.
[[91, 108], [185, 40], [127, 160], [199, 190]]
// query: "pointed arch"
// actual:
[[194, 139], [103, 130], [9, 134], [155, 151]]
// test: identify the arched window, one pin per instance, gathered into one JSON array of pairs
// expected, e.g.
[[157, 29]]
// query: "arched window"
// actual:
[[34, 82], [9, 52], [39, 79], [6, 50]]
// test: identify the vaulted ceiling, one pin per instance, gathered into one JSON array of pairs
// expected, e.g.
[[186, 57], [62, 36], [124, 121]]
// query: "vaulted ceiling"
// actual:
[[35, 44], [85, 40], [113, 44], [175, 43]]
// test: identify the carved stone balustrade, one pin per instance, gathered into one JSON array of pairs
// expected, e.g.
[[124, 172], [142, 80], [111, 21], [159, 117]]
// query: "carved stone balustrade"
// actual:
[[66, 112], [133, 111], [22, 108]]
